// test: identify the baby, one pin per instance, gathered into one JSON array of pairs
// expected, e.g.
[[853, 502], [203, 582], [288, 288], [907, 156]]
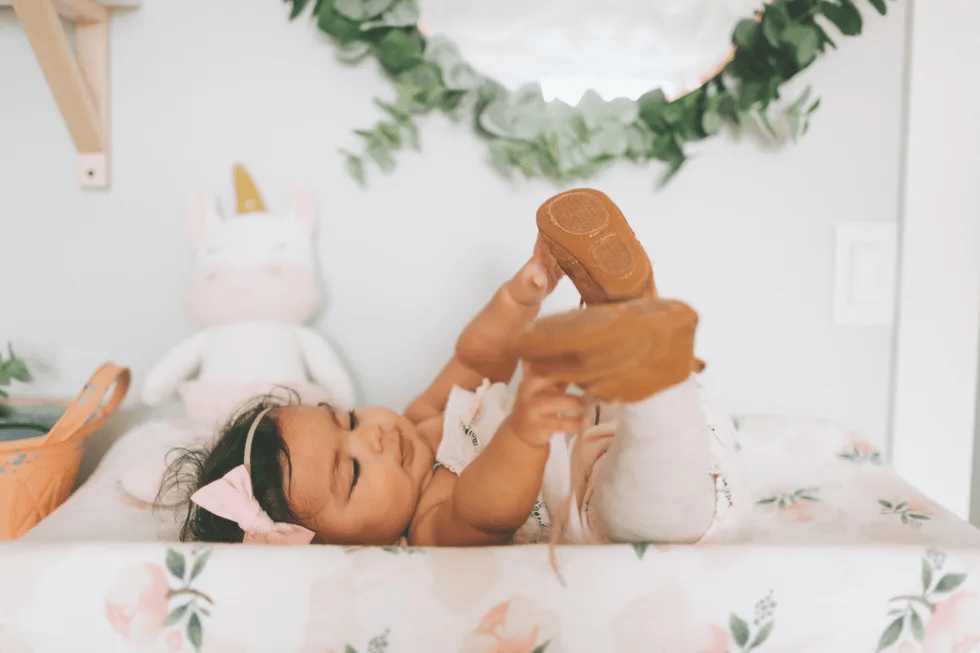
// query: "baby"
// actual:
[[608, 438]]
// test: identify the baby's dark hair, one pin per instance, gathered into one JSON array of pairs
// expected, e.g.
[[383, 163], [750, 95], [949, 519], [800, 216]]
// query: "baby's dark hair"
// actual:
[[190, 469]]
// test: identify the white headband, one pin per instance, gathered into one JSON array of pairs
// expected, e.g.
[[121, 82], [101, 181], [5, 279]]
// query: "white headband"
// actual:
[[248, 440]]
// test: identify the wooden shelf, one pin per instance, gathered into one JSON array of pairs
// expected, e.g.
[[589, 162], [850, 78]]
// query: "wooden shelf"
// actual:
[[79, 78]]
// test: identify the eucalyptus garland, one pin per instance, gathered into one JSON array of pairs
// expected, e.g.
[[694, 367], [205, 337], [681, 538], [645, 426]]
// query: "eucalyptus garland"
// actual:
[[567, 143]]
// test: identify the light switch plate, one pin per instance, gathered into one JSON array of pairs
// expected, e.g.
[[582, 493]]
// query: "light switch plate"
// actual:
[[866, 273]]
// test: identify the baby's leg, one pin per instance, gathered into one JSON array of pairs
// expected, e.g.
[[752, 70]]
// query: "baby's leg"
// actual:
[[654, 483]]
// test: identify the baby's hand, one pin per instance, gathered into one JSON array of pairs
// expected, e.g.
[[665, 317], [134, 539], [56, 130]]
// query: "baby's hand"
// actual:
[[537, 278], [543, 408]]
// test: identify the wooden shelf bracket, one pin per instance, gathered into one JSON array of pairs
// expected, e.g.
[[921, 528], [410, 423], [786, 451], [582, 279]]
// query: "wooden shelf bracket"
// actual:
[[78, 77]]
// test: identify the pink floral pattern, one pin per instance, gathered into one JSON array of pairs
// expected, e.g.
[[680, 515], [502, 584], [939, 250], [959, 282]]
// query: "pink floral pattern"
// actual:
[[912, 512], [138, 604], [938, 619], [800, 506], [666, 617], [861, 451], [514, 626]]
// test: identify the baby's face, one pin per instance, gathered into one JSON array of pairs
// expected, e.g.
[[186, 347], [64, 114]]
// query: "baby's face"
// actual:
[[354, 481]]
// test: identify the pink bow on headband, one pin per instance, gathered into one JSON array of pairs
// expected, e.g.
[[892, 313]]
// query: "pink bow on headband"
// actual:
[[231, 497]]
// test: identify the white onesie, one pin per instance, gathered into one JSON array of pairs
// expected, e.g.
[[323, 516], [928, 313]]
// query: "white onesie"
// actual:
[[472, 418]]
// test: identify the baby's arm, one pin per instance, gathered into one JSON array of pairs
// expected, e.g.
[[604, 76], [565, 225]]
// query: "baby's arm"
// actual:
[[483, 349], [494, 494]]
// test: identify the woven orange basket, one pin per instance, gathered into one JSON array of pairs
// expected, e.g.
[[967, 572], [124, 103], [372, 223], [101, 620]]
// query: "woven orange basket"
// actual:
[[37, 474]]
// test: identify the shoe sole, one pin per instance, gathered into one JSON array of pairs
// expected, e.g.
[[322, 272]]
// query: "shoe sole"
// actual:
[[595, 246]]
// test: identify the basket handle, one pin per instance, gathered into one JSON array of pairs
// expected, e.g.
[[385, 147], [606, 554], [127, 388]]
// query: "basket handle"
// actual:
[[87, 412]]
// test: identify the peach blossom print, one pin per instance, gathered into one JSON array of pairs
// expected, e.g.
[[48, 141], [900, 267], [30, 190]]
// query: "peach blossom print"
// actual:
[[138, 604], [664, 617], [912, 512], [860, 450], [802, 505], [938, 619], [514, 626]]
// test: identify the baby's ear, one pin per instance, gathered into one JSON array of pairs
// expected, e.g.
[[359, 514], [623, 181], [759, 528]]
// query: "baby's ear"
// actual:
[[303, 210], [202, 217]]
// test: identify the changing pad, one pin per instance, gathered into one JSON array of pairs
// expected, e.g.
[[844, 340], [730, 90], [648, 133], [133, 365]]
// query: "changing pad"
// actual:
[[846, 556]]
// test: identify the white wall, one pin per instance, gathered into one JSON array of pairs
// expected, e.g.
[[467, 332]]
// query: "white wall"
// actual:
[[939, 324], [745, 233]]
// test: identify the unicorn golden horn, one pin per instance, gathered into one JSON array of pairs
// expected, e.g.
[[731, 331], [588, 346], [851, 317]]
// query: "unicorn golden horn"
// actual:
[[247, 196]]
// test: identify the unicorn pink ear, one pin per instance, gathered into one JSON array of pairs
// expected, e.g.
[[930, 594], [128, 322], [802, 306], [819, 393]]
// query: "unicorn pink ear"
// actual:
[[202, 216], [303, 209]]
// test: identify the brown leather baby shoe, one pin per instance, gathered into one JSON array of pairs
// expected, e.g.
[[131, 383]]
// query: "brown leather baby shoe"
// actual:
[[595, 246], [625, 351], [598, 250]]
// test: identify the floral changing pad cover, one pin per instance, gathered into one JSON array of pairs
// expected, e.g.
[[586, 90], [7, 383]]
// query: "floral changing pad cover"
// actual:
[[846, 556]]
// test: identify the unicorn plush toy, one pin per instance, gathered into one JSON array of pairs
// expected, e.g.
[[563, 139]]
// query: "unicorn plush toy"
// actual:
[[253, 287]]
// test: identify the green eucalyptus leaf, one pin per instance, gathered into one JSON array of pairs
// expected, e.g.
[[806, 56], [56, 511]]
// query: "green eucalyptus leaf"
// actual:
[[400, 49], [297, 9], [399, 115], [352, 51], [548, 164], [804, 42], [528, 164], [795, 123], [591, 107], [441, 50], [610, 140], [465, 108], [411, 135], [460, 76], [336, 25], [774, 21], [422, 86], [404, 13], [712, 122], [390, 133], [380, 152], [880, 6], [361, 10], [673, 113], [747, 34], [844, 15], [639, 139], [692, 107], [494, 119], [623, 110], [651, 106], [500, 157], [666, 148], [17, 369], [824, 37]]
